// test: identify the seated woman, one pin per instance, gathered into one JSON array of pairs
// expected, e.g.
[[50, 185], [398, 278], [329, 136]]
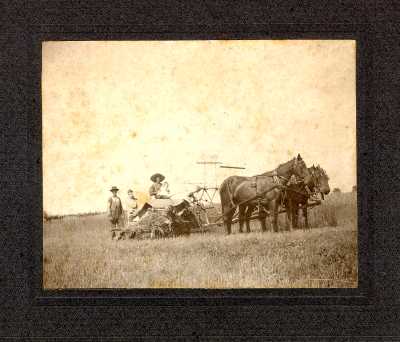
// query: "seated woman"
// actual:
[[159, 195], [159, 189]]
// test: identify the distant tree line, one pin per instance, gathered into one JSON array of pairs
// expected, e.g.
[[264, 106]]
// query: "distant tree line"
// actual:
[[47, 217], [338, 190]]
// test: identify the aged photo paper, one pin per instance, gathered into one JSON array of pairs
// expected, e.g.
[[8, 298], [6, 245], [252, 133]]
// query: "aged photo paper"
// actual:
[[199, 164]]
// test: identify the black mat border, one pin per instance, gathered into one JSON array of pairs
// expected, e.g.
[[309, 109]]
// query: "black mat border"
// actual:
[[368, 314]]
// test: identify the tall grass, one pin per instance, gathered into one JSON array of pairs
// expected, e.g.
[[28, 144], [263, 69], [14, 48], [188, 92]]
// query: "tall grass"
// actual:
[[336, 209], [79, 253]]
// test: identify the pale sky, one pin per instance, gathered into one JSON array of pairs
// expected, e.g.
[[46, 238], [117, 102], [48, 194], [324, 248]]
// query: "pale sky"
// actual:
[[116, 112]]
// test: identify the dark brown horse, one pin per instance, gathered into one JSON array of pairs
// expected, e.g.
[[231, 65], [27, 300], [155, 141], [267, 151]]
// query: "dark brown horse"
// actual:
[[297, 195], [265, 189]]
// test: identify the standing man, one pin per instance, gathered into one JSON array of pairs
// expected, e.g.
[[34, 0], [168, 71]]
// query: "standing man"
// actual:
[[115, 212]]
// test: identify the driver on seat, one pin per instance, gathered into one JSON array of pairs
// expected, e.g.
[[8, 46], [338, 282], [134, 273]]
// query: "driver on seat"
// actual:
[[158, 190], [160, 197]]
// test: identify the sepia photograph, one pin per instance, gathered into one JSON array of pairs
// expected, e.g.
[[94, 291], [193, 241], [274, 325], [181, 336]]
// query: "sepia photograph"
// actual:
[[211, 164]]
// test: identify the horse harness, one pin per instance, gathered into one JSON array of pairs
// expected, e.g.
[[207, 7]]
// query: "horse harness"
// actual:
[[277, 179], [254, 185]]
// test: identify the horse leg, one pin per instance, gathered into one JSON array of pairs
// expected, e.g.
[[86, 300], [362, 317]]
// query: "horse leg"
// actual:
[[228, 219], [262, 218], [275, 212], [293, 220], [289, 212], [288, 220], [242, 210], [305, 214], [249, 211], [295, 215], [228, 223]]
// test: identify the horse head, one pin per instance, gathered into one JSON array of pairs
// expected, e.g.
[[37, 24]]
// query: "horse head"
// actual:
[[320, 179], [300, 169], [296, 167]]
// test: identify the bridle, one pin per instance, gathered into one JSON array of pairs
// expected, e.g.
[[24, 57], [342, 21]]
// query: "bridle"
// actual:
[[316, 174], [315, 184], [296, 162], [293, 168]]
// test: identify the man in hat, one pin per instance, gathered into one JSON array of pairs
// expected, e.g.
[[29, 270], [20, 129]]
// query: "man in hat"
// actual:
[[131, 205], [115, 211], [155, 190]]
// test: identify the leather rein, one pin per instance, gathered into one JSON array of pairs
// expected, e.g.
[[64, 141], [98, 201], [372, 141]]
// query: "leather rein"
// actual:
[[316, 186]]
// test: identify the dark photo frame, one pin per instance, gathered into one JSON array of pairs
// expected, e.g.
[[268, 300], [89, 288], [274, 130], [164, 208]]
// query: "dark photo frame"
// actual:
[[371, 310]]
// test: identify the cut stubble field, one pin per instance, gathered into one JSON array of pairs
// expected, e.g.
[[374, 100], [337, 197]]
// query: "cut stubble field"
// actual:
[[78, 253]]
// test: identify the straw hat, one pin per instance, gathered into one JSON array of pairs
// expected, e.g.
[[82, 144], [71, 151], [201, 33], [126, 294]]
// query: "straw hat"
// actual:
[[154, 177], [114, 188]]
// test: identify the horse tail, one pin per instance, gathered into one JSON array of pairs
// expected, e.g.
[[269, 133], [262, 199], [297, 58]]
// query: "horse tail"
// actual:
[[226, 195]]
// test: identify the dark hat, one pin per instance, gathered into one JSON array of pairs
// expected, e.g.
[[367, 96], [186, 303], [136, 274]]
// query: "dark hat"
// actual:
[[114, 188], [154, 177]]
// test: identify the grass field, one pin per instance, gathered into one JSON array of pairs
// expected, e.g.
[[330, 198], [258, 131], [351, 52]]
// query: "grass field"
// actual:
[[78, 253]]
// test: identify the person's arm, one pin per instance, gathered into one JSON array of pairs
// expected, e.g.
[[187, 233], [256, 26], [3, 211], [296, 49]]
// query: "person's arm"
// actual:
[[109, 207], [134, 209], [122, 209], [153, 191], [275, 176], [166, 186]]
